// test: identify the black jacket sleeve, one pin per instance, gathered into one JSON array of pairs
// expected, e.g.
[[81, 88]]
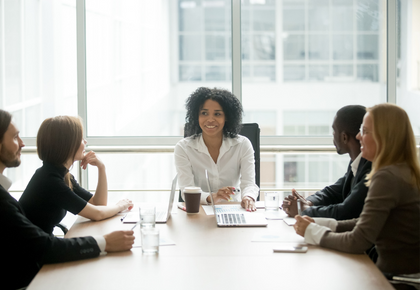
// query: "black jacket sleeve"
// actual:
[[334, 202], [26, 247]]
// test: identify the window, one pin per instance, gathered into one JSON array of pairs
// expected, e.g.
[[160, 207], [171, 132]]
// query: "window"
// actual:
[[408, 74], [301, 61]]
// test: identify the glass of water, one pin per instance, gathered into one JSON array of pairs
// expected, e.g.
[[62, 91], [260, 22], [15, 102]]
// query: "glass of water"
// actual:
[[271, 200], [150, 241], [147, 216]]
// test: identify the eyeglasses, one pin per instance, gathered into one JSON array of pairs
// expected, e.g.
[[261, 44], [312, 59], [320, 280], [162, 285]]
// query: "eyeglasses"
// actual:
[[362, 131]]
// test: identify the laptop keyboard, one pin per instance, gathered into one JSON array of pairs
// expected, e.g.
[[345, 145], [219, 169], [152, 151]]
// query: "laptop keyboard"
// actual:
[[232, 218]]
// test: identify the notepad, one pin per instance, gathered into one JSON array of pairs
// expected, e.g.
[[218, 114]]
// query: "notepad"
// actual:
[[290, 221], [275, 237]]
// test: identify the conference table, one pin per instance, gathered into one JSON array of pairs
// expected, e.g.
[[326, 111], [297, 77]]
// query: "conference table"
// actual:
[[204, 256]]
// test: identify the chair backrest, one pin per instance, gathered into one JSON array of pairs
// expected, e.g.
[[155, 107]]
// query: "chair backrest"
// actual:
[[252, 132]]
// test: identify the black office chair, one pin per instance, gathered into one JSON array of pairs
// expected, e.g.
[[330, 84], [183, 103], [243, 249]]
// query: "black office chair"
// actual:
[[252, 132]]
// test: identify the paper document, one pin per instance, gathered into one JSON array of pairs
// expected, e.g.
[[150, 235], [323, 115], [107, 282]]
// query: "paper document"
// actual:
[[289, 221], [275, 237], [163, 241]]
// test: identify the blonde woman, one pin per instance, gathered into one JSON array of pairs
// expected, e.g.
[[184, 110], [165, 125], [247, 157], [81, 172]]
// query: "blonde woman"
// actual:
[[53, 191], [391, 215]]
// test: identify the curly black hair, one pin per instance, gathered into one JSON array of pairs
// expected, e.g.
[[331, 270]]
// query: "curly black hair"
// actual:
[[229, 103]]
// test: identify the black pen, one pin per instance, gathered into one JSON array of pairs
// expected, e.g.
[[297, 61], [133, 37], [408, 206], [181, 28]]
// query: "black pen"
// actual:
[[124, 216]]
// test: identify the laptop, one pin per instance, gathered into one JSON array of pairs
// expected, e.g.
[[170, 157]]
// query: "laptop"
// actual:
[[162, 215], [234, 215]]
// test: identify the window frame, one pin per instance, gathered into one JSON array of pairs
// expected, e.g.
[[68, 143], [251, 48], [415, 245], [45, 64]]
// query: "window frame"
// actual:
[[166, 144]]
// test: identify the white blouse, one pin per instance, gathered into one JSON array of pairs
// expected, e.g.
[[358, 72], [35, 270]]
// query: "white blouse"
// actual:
[[235, 166]]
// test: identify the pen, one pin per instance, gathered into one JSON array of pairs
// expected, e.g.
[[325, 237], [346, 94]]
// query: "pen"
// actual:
[[234, 190], [301, 197], [124, 217], [180, 206], [298, 206], [134, 226]]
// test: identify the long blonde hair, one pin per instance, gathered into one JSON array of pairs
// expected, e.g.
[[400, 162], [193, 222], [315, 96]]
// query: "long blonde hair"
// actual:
[[394, 138]]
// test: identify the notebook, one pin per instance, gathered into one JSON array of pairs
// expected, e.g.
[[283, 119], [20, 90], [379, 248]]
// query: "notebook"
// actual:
[[234, 216], [162, 215]]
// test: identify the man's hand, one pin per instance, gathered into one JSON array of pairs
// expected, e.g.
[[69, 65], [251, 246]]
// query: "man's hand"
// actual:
[[290, 203], [119, 241]]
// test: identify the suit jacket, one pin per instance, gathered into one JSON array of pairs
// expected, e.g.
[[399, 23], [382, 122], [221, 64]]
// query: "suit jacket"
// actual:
[[344, 199], [25, 247]]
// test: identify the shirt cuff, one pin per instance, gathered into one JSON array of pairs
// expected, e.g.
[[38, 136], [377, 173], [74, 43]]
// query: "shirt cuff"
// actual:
[[100, 240], [203, 198], [314, 233], [327, 222]]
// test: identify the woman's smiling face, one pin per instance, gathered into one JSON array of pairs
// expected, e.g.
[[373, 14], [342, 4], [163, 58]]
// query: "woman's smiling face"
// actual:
[[211, 119]]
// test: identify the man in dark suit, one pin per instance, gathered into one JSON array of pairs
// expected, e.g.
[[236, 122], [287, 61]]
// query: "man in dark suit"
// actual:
[[344, 199], [24, 246]]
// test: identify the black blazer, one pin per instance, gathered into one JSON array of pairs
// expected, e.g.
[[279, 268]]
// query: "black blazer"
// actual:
[[344, 199], [25, 247]]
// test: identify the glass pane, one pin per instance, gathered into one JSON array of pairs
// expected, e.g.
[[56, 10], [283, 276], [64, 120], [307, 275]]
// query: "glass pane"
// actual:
[[318, 72], [189, 73], [190, 47], [366, 14], [323, 57], [189, 15], [294, 72], [38, 61], [319, 15], [263, 47], [215, 47], [343, 47], [150, 56], [367, 47], [215, 73], [342, 15], [342, 70], [318, 47], [264, 73], [294, 47], [214, 16], [293, 15], [367, 72], [264, 20], [408, 89]]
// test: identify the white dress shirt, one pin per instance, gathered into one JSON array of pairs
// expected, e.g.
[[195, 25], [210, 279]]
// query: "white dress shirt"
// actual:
[[100, 240], [315, 231], [235, 166], [355, 164]]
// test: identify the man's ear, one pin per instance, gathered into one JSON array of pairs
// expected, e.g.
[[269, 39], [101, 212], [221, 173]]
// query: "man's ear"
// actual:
[[344, 137]]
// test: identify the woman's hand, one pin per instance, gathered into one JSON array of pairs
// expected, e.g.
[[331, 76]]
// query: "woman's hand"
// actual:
[[125, 204], [223, 193], [92, 159], [302, 222], [248, 203]]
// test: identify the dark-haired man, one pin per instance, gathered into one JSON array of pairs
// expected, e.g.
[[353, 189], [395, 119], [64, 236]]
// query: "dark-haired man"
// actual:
[[25, 247], [344, 199]]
